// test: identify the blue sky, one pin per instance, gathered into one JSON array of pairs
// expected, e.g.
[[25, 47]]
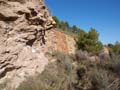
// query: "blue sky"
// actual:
[[103, 15]]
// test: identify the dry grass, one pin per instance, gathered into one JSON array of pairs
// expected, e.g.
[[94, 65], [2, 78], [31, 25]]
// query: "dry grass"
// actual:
[[62, 75]]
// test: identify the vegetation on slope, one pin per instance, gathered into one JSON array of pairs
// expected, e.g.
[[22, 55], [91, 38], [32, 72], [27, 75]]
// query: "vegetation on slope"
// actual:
[[88, 41], [115, 48], [65, 74], [68, 72]]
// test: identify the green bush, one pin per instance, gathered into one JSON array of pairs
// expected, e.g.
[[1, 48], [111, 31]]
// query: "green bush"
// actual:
[[114, 48], [89, 41]]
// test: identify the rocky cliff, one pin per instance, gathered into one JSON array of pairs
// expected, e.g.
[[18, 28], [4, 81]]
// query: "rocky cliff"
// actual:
[[25, 36], [58, 41], [23, 24]]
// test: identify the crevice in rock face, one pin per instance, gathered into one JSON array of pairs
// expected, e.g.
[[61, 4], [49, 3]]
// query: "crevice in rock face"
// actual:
[[21, 1], [7, 69], [33, 13], [42, 34], [27, 16], [4, 65], [10, 19], [31, 42], [3, 18], [20, 13]]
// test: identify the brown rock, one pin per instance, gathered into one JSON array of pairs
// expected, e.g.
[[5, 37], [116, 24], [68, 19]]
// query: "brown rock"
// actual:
[[23, 24], [58, 41]]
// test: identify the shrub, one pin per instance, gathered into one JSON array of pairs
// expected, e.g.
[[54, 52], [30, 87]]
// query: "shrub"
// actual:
[[81, 55], [104, 56], [89, 41], [58, 75], [64, 60], [115, 65], [62, 75], [99, 80], [80, 72]]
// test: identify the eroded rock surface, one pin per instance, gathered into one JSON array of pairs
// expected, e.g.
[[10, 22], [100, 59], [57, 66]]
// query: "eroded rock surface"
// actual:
[[23, 24], [58, 41]]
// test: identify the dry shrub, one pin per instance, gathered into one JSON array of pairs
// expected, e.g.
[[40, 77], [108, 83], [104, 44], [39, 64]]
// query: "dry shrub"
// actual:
[[81, 55], [57, 76]]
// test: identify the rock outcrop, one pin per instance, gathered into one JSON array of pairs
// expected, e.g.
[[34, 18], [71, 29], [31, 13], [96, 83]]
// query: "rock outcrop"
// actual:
[[23, 24], [58, 41]]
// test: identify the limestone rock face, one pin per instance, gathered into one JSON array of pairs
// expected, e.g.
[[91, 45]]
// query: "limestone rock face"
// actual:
[[23, 24], [58, 41]]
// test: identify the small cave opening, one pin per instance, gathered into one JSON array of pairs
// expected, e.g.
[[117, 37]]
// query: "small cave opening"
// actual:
[[30, 42], [27, 16], [33, 13]]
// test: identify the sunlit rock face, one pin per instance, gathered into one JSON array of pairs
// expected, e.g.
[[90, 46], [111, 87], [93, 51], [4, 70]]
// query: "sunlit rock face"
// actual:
[[23, 26], [60, 42]]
